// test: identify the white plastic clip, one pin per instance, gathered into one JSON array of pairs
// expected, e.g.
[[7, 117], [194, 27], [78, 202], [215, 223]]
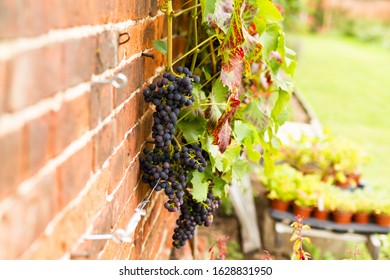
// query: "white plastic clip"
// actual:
[[122, 235], [119, 81], [125, 235]]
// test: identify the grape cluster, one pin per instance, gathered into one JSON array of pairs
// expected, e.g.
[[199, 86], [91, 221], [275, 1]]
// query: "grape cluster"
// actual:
[[193, 213], [167, 166]]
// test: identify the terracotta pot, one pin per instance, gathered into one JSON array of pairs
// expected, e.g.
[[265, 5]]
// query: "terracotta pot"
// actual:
[[361, 218], [341, 217], [382, 220], [304, 212], [343, 185], [280, 204], [320, 215]]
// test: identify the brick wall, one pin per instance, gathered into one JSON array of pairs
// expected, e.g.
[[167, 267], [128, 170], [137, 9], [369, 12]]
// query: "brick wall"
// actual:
[[69, 147]]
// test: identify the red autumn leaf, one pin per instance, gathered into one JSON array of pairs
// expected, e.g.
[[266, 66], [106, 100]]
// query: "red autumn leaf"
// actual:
[[222, 132], [232, 68], [223, 138]]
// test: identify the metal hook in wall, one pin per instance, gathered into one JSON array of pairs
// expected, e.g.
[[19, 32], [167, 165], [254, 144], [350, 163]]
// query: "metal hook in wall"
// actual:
[[118, 81], [126, 35]]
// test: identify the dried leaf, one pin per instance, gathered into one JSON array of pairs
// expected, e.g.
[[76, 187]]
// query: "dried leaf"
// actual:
[[222, 132], [223, 137]]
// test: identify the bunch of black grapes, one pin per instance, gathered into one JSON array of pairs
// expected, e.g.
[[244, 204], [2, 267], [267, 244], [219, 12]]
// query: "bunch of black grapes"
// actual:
[[167, 166], [194, 214]]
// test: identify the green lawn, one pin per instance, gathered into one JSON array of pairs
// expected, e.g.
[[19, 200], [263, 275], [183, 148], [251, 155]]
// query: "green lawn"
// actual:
[[348, 85]]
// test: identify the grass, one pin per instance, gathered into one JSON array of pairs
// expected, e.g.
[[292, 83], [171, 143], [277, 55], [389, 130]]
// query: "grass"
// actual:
[[347, 84]]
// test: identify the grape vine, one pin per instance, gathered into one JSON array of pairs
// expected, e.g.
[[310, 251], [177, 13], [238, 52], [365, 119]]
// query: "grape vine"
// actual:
[[225, 97]]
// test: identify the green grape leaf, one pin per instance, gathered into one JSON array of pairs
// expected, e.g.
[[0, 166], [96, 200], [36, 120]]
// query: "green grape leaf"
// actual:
[[254, 115], [253, 154], [219, 92], [219, 186], [240, 169], [218, 103], [241, 131], [268, 11], [161, 46], [192, 128], [280, 105], [230, 155], [199, 186], [270, 39], [208, 7], [207, 75]]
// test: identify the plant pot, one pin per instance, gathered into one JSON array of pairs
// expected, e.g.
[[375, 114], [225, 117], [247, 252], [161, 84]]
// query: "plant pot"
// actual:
[[343, 185], [341, 217], [361, 218], [302, 211], [280, 205], [382, 220], [320, 215]]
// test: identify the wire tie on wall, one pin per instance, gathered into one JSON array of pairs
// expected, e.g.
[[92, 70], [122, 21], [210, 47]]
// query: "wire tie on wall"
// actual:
[[124, 235], [124, 41], [148, 55], [119, 81]]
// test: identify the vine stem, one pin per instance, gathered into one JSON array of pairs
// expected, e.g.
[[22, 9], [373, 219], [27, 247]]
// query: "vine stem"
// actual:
[[194, 49], [195, 19], [213, 59], [177, 142], [185, 115], [186, 10], [211, 79], [211, 104], [169, 13]]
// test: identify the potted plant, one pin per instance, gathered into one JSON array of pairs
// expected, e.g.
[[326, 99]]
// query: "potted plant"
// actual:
[[345, 206], [325, 202], [281, 186], [308, 190], [382, 212], [302, 154], [341, 161], [364, 206]]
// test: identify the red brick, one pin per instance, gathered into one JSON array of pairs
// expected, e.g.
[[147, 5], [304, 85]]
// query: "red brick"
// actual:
[[107, 47], [40, 142], [74, 173], [103, 144], [4, 84], [121, 202], [8, 15], [101, 103], [72, 120], [138, 136], [27, 217], [79, 59], [134, 73], [117, 167], [142, 36], [12, 162], [34, 75], [70, 225], [89, 249]]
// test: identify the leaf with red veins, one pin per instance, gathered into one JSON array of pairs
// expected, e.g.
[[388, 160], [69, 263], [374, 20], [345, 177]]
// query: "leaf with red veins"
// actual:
[[222, 15], [232, 68], [223, 137], [234, 35], [276, 55], [222, 132]]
